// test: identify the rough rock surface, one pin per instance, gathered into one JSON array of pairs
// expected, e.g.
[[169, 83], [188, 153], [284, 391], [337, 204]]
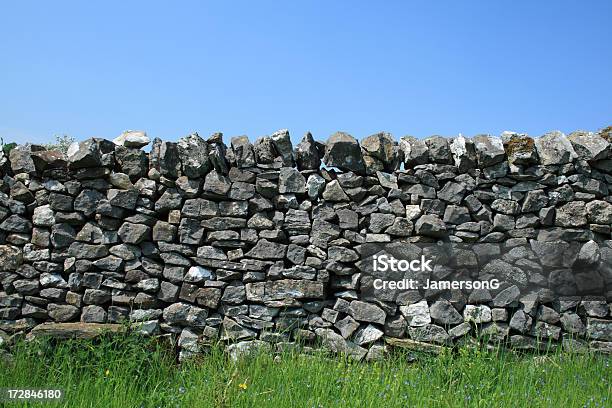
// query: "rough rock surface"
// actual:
[[255, 243]]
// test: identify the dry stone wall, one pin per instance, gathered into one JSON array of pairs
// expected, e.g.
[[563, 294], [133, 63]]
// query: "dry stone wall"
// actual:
[[259, 244]]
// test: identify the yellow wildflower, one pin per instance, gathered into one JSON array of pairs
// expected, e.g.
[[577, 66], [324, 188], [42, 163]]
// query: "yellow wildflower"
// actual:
[[243, 386]]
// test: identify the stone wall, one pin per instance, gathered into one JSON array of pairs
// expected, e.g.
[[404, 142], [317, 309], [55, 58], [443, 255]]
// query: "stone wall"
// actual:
[[253, 243]]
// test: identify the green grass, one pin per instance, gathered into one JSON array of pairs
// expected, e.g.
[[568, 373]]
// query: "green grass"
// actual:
[[126, 371]]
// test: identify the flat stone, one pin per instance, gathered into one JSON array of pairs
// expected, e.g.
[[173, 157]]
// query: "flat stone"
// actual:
[[132, 138], [84, 331], [283, 289]]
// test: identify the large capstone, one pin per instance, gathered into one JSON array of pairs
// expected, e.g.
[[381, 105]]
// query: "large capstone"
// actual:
[[132, 138], [590, 146], [84, 154], [489, 150], [193, 151], [342, 151], [554, 149], [383, 152]]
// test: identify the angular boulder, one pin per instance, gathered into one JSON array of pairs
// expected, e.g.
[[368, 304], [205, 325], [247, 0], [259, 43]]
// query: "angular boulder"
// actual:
[[342, 151]]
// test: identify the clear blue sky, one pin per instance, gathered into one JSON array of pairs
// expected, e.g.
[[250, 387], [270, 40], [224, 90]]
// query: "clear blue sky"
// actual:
[[252, 67]]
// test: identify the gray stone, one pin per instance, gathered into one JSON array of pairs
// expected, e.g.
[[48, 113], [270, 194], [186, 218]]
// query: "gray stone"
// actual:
[[457, 215], [416, 314], [84, 154], [132, 162], [314, 186], [599, 329], [367, 312], [282, 145], [15, 223], [477, 313], [216, 184], [282, 289], [588, 256], [400, 227], [430, 225], [367, 335], [546, 331], [193, 151], [87, 201], [382, 148], [11, 258], [521, 322], [590, 146], [520, 148], [233, 331], [122, 198], [464, 153], [265, 249], [307, 154], [554, 149], [264, 150], [459, 330], [507, 297], [62, 313], [415, 151], [243, 151], [489, 150], [599, 212], [200, 208], [134, 233], [333, 192], [198, 274], [121, 181], [291, 181], [443, 312], [87, 251], [62, 235], [503, 206], [93, 314], [534, 201], [429, 333], [164, 231], [21, 160], [132, 138], [452, 192], [189, 231], [439, 149], [244, 349], [343, 151], [166, 158], [378, 222], [572, 214]]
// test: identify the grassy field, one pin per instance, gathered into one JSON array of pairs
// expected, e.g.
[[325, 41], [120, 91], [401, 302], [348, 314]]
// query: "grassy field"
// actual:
[[124, 372]]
